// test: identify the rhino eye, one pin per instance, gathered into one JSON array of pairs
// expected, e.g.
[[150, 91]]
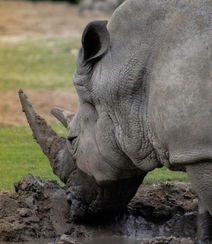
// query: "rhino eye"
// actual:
[[72, 145], [71, 138]]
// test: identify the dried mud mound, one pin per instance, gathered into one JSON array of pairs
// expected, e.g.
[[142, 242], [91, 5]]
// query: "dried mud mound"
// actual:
[[32, 212], [39, 210]]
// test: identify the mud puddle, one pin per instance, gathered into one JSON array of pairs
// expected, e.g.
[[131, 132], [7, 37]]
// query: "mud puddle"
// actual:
[[93, 240], [106, 240], [41, 242], [31, 214]]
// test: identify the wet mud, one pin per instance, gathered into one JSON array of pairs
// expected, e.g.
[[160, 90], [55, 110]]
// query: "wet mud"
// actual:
[[161, 213]]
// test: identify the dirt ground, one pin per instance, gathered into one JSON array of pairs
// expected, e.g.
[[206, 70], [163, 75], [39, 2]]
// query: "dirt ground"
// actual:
[[161, 210], [23, 19]]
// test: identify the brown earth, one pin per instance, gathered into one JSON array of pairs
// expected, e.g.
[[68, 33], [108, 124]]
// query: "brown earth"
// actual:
[[26, 19], [162, 210], [22, 19], [43, 101]]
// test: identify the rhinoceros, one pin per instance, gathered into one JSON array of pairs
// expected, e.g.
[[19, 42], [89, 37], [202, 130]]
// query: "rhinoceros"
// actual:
[[145, 101]]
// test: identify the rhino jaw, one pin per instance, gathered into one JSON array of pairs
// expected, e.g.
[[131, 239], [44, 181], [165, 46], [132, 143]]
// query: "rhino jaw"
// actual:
[[90, 201]]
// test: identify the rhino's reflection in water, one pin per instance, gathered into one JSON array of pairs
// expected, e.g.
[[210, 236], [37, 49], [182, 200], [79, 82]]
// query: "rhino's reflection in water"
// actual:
[[94, 240], [106, 240]]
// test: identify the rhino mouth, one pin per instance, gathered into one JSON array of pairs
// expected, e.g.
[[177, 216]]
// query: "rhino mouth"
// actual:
[[90, 201], [82, 211], [78, 208], [82, 193]]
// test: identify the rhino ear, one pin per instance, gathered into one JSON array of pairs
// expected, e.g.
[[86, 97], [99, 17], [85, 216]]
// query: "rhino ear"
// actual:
[[95, 40]]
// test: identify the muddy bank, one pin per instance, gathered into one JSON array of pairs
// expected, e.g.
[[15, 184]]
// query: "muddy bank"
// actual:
[[38, 210]]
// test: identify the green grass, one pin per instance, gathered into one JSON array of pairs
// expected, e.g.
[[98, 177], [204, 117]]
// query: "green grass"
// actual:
[[38, 64], [164, 174], [21, 155]]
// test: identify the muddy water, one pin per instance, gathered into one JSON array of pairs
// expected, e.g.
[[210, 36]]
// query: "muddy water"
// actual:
[[106, 240], [95, 240]]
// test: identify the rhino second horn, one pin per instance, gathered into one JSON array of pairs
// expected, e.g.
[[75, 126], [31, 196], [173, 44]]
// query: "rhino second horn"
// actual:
[[64, 116]]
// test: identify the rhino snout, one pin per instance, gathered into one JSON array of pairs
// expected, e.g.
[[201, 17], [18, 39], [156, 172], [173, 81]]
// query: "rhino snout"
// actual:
[[78, 208], [89, 200]]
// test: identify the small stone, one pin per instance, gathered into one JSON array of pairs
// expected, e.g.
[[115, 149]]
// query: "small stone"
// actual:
[[23, 212], [168, 240], [65, 239]]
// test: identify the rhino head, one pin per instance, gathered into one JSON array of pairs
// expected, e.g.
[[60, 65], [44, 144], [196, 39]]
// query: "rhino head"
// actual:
[[99, 176]]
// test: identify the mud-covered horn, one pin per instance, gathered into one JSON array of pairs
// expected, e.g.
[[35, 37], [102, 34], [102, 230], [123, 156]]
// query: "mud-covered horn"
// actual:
[[52, 145], [38, 125], [64, 116]]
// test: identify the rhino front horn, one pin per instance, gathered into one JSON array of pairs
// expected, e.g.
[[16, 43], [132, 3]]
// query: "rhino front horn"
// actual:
[[52, 145]]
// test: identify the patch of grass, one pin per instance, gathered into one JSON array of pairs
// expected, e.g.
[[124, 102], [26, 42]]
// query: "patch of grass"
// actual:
[[21, 155], [38, 64], [164, 174]]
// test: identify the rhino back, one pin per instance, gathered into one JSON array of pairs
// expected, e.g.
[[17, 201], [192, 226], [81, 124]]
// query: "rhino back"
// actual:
[[180, 84]]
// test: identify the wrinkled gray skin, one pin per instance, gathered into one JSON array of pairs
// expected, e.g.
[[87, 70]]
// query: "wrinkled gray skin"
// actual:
[[145, 101]]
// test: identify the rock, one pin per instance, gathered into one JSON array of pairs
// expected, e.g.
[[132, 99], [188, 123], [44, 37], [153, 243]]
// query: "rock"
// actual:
[[169, 240], [65, 239], [23, 212]]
